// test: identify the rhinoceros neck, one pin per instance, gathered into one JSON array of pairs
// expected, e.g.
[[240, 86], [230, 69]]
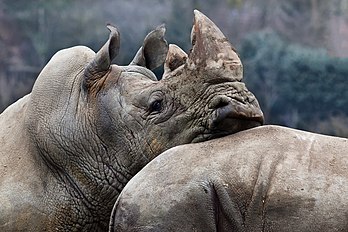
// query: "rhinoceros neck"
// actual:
[[87, 181], [87, 177]]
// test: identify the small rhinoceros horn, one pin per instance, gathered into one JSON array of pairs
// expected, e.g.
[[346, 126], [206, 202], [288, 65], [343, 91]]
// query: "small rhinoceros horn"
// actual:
[[176, 57], [100, 65], [212, 51], [154, 50]]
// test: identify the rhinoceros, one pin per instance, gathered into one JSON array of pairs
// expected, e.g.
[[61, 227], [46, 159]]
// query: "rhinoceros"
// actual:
[[69, 147], [269, 178]]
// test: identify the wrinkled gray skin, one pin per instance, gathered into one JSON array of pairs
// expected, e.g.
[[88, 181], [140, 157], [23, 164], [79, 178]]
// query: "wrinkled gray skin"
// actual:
[[68, 148], [268, 178]]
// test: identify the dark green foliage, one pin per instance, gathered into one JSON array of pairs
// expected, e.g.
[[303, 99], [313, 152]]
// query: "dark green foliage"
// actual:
[[296, 86]]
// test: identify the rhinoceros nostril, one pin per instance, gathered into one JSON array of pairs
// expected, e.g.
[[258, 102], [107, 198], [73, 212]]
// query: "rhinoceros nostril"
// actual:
[[222, 112], [219, 102]]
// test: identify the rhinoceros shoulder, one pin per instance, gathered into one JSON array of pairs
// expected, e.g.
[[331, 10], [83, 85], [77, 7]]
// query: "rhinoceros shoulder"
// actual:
[[16, 160], [12, 129], [21, 184]]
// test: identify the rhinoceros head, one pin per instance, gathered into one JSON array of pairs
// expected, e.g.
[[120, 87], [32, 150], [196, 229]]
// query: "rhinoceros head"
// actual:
[[200, 96]]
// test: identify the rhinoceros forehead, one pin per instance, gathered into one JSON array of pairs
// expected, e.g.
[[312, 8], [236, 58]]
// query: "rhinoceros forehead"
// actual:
[[138, 69]]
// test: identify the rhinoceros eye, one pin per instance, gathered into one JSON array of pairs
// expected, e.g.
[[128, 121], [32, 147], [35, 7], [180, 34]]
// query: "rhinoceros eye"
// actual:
[[156, 106]]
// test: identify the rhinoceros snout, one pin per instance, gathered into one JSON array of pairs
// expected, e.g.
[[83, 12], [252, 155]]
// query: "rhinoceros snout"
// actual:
[[238, 111], [231, 115]]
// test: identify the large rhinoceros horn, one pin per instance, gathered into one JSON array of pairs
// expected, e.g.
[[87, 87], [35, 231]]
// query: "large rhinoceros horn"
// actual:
[[211, 52], [154, 50], [100, 65]]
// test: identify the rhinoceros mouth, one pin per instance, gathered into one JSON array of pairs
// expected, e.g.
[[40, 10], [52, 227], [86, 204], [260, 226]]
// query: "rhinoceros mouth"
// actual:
[[227, 127]]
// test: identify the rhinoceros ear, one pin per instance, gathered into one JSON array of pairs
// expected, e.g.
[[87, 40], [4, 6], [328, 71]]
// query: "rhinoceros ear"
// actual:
[[211, 49], [176, 57], [154, 50], [100, 65]]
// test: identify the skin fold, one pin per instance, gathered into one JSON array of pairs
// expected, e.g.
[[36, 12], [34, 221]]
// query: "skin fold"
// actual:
[[69, 147]]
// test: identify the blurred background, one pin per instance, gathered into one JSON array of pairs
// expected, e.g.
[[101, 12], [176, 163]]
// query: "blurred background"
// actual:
[[295, 52]]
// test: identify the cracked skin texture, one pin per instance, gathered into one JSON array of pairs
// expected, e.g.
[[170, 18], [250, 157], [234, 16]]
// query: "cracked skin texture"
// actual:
[[268, 178]]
